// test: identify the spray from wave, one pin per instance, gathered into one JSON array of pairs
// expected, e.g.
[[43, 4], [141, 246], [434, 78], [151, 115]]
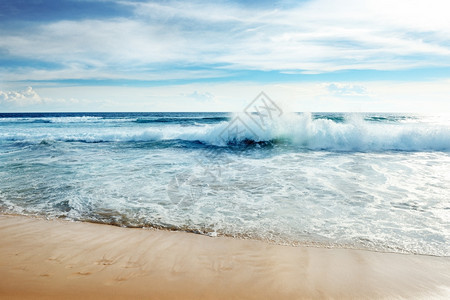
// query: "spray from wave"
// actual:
[[353, 132]]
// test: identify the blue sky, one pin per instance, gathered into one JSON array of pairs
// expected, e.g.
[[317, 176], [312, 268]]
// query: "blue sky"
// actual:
[[316, 55]]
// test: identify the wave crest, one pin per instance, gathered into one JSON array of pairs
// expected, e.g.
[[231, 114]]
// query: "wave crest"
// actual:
[[353, 133]]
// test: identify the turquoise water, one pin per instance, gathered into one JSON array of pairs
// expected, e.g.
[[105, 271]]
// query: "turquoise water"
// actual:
[[372, 181]]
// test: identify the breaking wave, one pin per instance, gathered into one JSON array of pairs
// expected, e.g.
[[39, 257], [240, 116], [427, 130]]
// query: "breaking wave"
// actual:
[[352, 133]]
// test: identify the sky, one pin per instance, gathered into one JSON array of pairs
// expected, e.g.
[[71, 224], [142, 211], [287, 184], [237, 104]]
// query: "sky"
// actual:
[[309, 55]]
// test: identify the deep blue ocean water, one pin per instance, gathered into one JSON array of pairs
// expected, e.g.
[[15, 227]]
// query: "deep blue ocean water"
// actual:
[[372, 181]]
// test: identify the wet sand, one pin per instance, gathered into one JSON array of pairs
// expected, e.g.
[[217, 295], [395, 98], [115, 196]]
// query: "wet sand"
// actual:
[[42, 259]]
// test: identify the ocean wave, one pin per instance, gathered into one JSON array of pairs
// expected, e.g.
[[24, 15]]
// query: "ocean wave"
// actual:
[[354, 133], [96, 119], [178, 120], [83, 119]]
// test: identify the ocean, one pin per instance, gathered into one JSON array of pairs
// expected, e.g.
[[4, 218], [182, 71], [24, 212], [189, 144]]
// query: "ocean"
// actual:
[[373, 181]]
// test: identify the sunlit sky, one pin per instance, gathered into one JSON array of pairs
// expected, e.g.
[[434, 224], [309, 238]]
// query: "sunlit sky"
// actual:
[[318, 55]]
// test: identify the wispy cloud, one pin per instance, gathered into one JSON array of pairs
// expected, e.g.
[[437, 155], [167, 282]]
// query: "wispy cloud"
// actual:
[[203, 55], [310, 37]]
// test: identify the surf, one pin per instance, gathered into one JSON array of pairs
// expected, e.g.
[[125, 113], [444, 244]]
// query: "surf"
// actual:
[[347, 132]]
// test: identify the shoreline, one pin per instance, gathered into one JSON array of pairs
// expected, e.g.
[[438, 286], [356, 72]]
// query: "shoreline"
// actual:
[[62, 259], [307, 244]]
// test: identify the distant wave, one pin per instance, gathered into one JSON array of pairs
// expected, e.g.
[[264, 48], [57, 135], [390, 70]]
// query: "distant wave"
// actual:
[[40, 121], [353, 133], [83, 119], [189, 120], [94, 119]]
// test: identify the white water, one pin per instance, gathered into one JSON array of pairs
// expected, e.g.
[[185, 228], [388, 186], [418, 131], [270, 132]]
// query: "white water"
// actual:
[[380, 185], [355, 134]]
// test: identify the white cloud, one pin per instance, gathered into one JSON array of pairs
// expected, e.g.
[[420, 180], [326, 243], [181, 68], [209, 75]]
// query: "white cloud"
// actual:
[[201, 96], [30, 100], [314, 36], [347, 90], [20, 98]]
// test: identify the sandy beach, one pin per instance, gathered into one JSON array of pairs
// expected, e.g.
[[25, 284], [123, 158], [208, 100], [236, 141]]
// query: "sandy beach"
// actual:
[[42, 259]]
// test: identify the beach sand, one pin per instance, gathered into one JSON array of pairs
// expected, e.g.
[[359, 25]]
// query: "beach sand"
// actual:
[[43, 259]]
